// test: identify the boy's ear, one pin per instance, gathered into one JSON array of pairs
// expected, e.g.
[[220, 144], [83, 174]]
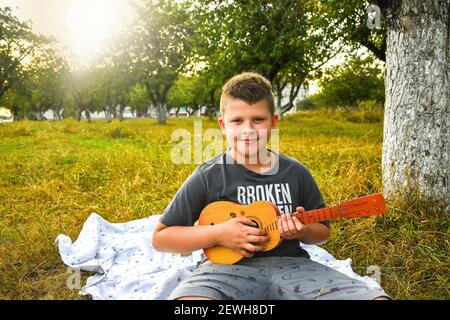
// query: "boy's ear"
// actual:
[[221, 122], [275, 119]]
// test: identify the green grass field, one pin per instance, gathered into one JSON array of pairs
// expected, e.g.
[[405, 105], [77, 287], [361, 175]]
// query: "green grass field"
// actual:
[[54, 174]]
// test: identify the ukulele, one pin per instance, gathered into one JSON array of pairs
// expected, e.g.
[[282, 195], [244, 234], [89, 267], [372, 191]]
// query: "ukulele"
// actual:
[[265, 215]]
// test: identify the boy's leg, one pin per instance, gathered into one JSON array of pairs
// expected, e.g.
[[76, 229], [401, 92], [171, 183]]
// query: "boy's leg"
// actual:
[[245, 280], [302, 278]]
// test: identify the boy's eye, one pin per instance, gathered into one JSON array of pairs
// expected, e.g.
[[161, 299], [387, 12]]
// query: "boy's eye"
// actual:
[[237, 120]]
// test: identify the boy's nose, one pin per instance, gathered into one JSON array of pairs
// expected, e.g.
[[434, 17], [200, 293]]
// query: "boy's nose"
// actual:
[[248, 126]]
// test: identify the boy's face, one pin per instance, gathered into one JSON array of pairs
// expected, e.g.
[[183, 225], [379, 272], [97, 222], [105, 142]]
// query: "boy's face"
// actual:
[[247, 128]]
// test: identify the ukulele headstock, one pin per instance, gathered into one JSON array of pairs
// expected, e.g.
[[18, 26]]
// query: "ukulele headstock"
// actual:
[[364, 206]]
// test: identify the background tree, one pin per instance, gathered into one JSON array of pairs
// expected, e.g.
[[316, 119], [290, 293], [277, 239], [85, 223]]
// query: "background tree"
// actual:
[[284, 40], [351, 19], [139, 101], [356, 80], [187, 92], [17, 45], [85, 92], [49, 73], [17, 99], [159, 48], [416, 146]]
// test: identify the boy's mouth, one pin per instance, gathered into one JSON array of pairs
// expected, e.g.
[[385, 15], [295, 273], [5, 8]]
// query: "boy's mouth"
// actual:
[[248, 140]]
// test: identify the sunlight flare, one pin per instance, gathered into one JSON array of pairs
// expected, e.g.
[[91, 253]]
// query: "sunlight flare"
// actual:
[[92, 23]]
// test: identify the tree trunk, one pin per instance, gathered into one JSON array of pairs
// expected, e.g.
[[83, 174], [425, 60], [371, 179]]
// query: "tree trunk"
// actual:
[[279, 88], [78, 115], [88, 115], [212, 104], [416, 146], [161, 113], [121, 108], [108, 115], [114, 112], [15, 112]]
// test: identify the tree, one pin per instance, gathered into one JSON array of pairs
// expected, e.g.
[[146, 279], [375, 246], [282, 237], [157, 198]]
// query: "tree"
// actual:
[[358, 79], [350, 19], [17, 44], [139, 98], [49, 75], [85, 87], [160, 48], [416, 146], [17, 99], [112, 85], [117, 76], [284, 40]]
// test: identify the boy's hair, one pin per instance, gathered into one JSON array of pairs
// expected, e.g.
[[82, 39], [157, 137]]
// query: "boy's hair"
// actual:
[[249, 87]]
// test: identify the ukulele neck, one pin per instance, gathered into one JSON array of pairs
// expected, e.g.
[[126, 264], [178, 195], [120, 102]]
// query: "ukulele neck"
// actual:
[[318, 215]]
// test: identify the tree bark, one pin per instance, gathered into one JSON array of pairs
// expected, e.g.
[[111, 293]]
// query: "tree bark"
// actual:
[[121, 109], [108, 115], [15, 111], [88, 115], [279, 87], [416, 126], [212, 110], [78, 114], [161, 113]]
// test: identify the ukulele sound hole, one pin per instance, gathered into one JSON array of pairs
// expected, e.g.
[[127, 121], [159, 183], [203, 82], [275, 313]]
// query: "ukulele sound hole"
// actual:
[[256, 222]]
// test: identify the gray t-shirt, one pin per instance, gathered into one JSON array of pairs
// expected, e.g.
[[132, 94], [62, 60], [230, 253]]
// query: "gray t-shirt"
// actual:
[[288, 185]]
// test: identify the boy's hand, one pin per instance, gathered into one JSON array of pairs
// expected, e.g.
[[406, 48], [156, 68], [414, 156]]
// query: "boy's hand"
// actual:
[[290, 227], [242, 235]]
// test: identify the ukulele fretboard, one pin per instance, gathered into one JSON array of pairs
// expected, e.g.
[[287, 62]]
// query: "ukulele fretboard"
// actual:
[[312, 216]]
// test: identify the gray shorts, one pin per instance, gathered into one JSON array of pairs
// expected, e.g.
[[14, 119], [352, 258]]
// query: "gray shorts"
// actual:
[[272, 278]]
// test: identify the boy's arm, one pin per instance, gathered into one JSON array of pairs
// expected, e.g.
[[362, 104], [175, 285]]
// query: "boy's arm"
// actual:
[[237, 234], [181, 239], [315, 233]]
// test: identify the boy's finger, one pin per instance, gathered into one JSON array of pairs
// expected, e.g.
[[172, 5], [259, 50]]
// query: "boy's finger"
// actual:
[[300, 209], [284, 224], [247, 221], [250, 247], [298, 224], [256, 239], [280, 226], [291, 224], [256, 231], [260, 248], [245, 253]]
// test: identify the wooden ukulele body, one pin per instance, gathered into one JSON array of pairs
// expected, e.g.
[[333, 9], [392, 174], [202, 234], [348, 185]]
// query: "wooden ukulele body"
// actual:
[[263, 213]]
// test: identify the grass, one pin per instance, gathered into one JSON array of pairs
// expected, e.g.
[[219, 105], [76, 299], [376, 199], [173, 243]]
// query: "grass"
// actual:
[[54, 174]]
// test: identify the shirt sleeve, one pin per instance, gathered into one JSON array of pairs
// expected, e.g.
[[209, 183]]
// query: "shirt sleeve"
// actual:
[[185, 207], [312, 197]]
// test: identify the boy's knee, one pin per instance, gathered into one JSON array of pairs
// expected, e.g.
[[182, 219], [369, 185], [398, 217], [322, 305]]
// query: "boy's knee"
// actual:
[[193, 298], [382, 298]]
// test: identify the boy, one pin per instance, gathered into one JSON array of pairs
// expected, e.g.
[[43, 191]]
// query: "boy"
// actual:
[[248, 171]]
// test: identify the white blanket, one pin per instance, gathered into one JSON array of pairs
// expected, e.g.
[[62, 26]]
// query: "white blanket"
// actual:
[[127, 267]]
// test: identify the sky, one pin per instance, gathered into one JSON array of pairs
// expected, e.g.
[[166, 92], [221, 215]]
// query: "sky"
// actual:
[[83, 26]]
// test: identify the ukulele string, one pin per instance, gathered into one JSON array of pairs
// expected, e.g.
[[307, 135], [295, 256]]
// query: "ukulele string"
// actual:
[[271, 226]]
